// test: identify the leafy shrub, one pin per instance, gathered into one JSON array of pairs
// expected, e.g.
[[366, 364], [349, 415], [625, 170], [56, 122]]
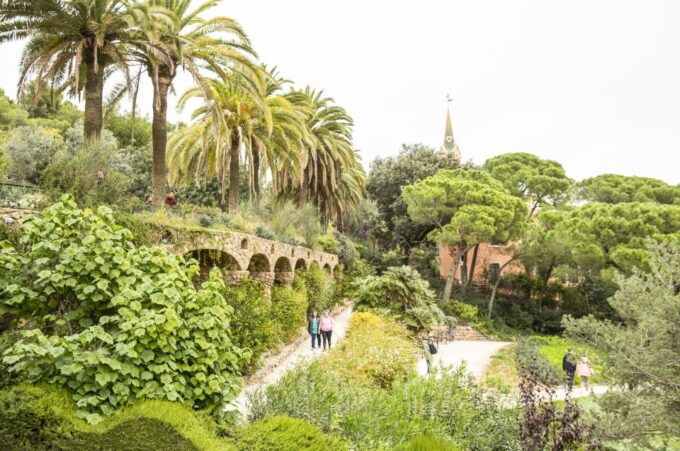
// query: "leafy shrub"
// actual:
[[327, 243], [289, 312], [251, 324], [111, 321], [30, 149], [449, 406], [532, 362], [404, 292], [319, 287], [42, 417], [264, 232], [468, 313], [286, 434], [428, 443], [377, 351]]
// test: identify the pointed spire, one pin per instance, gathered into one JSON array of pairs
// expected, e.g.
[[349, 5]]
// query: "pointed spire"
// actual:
[[450, 145]]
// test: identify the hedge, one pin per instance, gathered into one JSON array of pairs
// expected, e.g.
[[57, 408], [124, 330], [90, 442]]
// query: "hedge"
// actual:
[[286, 434]]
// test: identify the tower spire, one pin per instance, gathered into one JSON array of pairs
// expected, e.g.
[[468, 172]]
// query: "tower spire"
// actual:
[[449, 146]]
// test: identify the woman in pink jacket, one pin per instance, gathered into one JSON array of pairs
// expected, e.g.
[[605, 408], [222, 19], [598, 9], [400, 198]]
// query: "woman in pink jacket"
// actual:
[[326, 328], [584, 370]]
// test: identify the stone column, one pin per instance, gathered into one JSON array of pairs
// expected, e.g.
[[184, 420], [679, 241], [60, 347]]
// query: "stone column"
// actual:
[[284, 278], [266, 278], [234, 277]]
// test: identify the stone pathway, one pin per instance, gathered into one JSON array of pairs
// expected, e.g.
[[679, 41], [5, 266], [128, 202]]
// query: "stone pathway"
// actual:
[[274, 367], [476, 355]]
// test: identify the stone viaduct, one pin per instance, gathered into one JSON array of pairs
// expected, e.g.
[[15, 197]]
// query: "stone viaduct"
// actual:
[[238, 255]]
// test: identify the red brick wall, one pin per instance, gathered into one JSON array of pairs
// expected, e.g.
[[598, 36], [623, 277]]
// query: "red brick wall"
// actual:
[[486, 255]]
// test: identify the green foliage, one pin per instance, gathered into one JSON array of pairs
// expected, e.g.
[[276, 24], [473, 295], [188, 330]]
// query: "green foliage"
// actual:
[[640, 350], [553, 348], [502, 372], [289, 312], [530, 360], [29, 150], [448, 406], [286, 434], [428, 443], [468, 313], [121, 127], [387, 178], [41, 417], [327, 243], [319, 287], [12, 115], [111, 321], [252, 325], [377, 351], [529, 177], [403, 291], [615, 189]]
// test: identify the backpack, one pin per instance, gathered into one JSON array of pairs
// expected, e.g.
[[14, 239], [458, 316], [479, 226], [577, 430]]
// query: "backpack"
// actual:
[[433, 348]]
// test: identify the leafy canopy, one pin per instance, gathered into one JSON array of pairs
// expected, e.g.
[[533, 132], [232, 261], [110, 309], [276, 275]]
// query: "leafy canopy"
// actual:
[[112, 322], [615, 189], [465, 206]]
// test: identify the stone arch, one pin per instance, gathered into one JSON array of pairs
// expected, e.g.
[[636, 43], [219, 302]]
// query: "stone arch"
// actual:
[[283, 272], [244, 243], [213, 258], [327, 268], [259, 263], [314, 264], [300, 264]]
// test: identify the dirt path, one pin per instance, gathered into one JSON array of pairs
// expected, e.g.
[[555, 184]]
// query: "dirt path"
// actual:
[[475, 354], [274, 367]]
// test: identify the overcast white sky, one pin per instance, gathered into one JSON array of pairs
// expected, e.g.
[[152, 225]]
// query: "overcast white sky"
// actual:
[[594, 85]]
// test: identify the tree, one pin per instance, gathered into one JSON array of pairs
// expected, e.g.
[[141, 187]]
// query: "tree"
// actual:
[[614, 189], [529, 177], [171, 36], [70, 43], [641, 351], [466, 207], [386, 179], [11, 114], [30, 150]]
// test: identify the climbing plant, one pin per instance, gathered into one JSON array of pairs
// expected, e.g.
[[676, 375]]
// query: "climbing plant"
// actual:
[[113, 322]]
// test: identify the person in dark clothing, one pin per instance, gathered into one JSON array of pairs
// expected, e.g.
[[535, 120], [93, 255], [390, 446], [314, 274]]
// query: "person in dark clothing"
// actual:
[[313, 328], [569, 367]]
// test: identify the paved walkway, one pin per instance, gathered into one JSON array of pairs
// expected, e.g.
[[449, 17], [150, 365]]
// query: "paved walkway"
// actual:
[[275, 367], [476, 355]]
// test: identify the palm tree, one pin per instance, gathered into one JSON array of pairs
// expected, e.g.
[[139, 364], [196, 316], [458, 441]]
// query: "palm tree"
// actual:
[[190, 42], [70, 42], [332, 179], [211, 147]]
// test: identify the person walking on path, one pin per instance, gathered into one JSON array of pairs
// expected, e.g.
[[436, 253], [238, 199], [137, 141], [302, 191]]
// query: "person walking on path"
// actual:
[[326, 327], [313, 328], [428, 347], [569, 367], [585, 371]]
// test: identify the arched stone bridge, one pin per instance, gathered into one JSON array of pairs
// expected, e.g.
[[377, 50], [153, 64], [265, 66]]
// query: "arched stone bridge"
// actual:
[[238, 255]]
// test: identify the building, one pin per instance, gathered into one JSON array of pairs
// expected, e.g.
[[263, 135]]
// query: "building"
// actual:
[[484, 260]]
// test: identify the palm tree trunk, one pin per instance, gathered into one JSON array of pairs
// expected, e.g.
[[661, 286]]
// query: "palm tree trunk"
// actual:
[[304, 189], [133, 113], [94, 94], [234, 175], [159, 131], [256, 172]]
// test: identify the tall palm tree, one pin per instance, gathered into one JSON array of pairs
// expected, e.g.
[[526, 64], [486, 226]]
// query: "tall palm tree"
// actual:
[[70, 42], [192, 43], [332, 176], [211, 147]]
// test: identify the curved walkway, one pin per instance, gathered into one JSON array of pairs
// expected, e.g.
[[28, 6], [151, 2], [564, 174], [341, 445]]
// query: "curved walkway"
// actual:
[[274, 367], [475, 355]]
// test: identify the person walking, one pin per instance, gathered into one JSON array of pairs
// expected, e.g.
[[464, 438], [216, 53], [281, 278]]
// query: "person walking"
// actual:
[[326, 328], [584, 370], [427, 351], [569, 367], [313, 328]]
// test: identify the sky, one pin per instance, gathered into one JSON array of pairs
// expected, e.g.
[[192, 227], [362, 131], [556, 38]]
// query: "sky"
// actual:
[[594, 85]]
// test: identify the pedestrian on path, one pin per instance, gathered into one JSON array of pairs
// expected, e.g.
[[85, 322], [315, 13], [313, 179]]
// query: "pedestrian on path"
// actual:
[[428, 348], [313, 328], [585, 371], [326, 327], [569, 367]]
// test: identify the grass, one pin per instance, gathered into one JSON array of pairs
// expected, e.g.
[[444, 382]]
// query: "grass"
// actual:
[[502, 372], [554, 348]]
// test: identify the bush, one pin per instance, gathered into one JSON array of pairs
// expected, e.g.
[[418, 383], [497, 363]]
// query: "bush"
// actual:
[[286, 434], [468, 313], [401, 290], [448, 406], [531, 361], [319, 287], [111, 321], [30, 150], [289, 312], [377, 351], [42, 417], [428, 443], [252, 325]]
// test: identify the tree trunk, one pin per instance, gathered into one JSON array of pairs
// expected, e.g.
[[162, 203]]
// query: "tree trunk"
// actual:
[[94, 94], [545, 280], [234, 170], [473, 264], [159, 130], [493, 295], [133, 112], [452, 273], [256, 172], [463, 275]]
